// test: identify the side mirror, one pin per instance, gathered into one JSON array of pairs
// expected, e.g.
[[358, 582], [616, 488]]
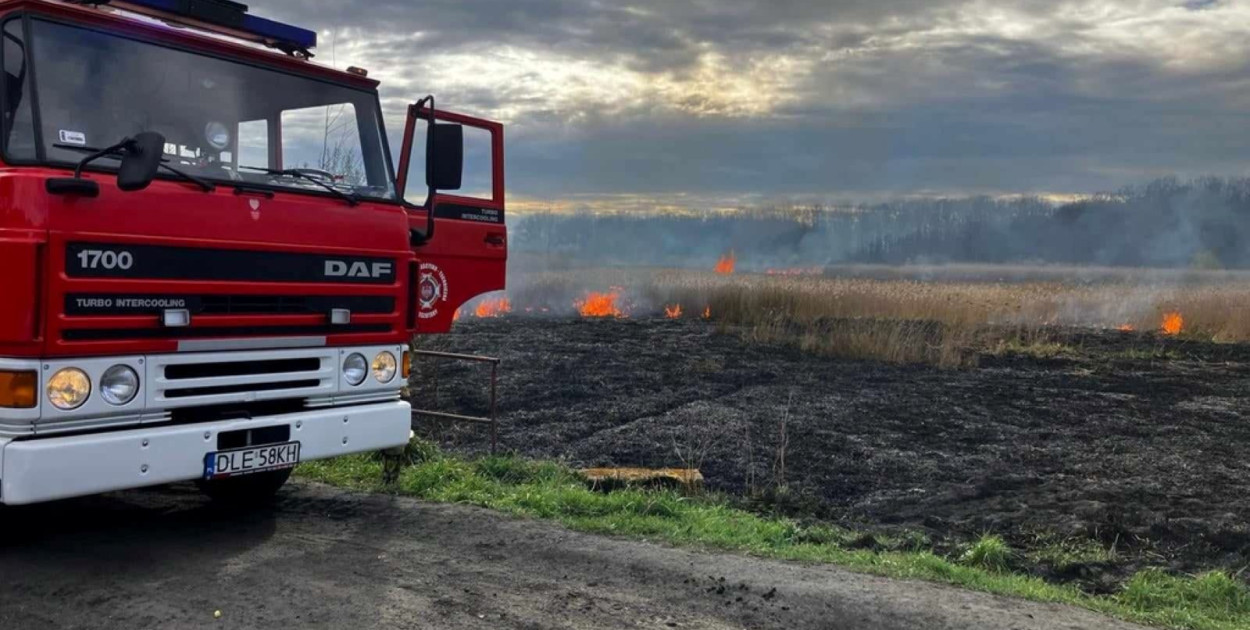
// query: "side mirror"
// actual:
[[444, 157], [141, 161]]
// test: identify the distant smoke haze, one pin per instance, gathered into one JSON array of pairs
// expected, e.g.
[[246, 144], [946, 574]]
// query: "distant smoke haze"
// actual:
[[1167, 223]]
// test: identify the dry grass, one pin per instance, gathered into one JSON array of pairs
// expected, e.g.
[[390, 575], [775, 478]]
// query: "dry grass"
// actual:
[[1214, 311], [901, 319]]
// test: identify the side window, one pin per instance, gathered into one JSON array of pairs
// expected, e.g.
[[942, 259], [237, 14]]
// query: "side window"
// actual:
[[19, 126], [254, 143], [415, 189], [477, 179], [326, 138]]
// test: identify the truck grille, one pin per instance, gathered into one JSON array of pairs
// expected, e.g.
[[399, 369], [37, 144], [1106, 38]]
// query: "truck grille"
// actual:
[[180, 380], [292, 304], [109, 304], [200, 332], [241, 368], [83, 308]]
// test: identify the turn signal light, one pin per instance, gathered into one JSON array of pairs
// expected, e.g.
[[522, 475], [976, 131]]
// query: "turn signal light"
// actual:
[[407, 365], [17, 389]]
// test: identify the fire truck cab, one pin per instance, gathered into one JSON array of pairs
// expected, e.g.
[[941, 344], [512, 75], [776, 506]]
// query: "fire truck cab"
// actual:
[[210, 268]]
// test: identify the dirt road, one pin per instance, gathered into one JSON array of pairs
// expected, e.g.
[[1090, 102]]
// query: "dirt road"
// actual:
[[322, 557]]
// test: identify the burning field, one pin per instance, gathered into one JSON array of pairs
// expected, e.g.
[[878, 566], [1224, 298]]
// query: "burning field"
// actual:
[[914, 310], [1097, 424]]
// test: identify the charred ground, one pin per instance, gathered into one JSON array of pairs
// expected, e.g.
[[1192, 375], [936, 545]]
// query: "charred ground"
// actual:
[[1120, 451]]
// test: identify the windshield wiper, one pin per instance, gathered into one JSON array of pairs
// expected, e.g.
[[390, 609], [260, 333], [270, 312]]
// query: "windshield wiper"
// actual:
[[115, 151], [351, 199], [204, 184]]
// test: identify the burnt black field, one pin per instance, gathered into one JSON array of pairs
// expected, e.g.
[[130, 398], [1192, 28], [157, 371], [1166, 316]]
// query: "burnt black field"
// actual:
[[1132, 442]]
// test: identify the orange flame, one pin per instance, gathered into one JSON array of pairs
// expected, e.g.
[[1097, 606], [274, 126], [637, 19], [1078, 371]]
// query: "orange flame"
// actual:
[[493, 308], [599, 305], [672, 312], [456, 315], [707, 313], [1173, 323], [725, 266], [1127, 328]]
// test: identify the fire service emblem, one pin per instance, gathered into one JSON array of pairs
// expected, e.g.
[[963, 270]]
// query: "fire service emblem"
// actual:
[[431, 289]]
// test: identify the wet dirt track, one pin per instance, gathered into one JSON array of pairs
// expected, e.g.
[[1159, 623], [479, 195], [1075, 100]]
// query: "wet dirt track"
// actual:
[[1136, 442], [328, 558]]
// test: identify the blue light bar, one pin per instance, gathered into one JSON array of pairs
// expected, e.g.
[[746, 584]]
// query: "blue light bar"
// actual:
[[301, 37], [228, 15]]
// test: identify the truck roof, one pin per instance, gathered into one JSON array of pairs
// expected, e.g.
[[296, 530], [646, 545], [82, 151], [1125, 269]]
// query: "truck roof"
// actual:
[[185, 34]]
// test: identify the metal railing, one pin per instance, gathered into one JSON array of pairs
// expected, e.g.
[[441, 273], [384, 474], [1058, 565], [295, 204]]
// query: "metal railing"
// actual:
[[491, 420]]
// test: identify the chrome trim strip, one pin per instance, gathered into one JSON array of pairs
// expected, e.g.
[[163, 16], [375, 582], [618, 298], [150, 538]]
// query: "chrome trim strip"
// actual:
[[66, 426], [258, 343], [322, 402], [16, 432]]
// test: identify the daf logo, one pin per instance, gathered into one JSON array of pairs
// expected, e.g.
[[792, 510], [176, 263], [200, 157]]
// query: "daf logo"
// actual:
[[343, 269]]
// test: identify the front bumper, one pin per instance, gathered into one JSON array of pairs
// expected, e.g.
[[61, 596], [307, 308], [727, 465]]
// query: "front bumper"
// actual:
[[56, 468]]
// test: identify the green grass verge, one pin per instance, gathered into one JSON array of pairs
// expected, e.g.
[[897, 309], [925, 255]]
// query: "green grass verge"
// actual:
[[1211, 601]]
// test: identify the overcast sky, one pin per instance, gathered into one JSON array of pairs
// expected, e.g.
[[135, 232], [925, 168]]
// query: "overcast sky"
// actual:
[[719, 102]]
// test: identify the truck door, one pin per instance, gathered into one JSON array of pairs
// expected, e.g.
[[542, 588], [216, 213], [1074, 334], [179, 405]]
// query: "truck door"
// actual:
[[467, 253]]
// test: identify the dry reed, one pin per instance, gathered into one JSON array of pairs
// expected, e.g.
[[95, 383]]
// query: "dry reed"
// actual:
[[901, 319]]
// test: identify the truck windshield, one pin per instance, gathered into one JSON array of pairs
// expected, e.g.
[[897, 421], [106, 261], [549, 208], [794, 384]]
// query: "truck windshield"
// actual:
[[219, 117]]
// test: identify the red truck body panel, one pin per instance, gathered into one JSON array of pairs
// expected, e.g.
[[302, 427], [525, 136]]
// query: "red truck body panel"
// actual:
[[171, 214], [468, 254], [41, 236]]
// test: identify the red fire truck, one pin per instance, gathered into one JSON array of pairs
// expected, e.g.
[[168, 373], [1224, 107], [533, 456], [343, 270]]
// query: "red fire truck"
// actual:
[[210, 267]]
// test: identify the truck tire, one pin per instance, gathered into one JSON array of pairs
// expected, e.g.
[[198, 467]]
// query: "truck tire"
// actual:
[[247, 489]]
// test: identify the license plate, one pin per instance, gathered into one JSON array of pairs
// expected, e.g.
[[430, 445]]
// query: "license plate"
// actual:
[[252, 459]]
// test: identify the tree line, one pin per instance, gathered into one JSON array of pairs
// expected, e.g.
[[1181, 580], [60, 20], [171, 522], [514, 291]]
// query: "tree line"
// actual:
[[1168, 222]]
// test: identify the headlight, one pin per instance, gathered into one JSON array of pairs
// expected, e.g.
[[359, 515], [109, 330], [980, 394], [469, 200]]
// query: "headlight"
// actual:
[[355, 369], [384, 367], [69, 388], [119, 385]]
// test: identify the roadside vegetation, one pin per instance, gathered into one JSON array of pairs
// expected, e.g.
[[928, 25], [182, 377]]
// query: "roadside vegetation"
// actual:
[[547, 490]]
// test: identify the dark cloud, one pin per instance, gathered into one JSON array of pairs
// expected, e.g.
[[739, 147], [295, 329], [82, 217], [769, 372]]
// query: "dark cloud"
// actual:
[[837, 98], [600, 27]]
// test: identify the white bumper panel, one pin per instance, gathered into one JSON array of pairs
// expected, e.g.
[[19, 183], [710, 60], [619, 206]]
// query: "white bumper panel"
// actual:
[[58, 468]]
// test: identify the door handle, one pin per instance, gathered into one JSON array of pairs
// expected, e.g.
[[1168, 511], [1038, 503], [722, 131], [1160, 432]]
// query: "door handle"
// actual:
[[496, 239]]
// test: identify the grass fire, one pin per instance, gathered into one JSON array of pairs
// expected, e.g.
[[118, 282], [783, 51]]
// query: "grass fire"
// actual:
[[1173, 323], [497, 307], [896, 314], [904, 402], [957, 382], [596, 304]]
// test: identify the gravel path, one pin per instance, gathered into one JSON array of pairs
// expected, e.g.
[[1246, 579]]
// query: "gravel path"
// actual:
[[323, 557]]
